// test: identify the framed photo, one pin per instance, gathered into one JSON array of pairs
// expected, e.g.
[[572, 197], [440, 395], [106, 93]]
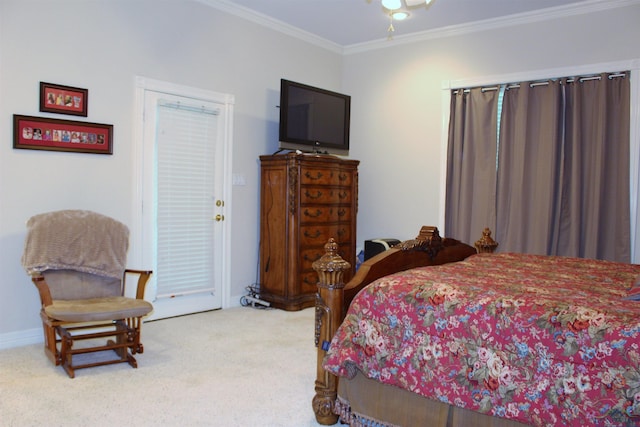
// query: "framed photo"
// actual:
[[41, 133], [63, 99]]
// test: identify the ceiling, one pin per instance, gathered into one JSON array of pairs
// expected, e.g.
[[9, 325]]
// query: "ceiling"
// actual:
[[353, 22]]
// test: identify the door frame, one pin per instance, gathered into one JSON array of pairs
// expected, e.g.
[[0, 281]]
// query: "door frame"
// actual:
[[139, 254]]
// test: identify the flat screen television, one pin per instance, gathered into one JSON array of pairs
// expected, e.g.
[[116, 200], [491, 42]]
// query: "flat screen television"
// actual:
[[313, 119]]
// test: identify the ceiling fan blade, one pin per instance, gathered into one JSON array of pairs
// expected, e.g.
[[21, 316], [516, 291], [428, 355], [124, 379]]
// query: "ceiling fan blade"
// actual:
[[411, 3]]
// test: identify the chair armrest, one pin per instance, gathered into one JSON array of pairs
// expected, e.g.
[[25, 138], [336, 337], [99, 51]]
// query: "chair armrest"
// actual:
[[43, 289], [143, 278]]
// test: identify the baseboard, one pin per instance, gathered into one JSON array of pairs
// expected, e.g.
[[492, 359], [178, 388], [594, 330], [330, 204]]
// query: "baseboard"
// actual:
[[20, 338]]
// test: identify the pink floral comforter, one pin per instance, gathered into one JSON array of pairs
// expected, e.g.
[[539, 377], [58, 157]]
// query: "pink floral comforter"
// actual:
[[547, 341]]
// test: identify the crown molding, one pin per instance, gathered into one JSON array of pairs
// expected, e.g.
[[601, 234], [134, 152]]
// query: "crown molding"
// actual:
[[274, 24], [556, 12]]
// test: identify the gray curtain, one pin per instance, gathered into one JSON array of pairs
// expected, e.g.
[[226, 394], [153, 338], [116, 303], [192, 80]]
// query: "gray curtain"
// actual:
[[471, 164], [529, 169], [562, 181], [595, 213]]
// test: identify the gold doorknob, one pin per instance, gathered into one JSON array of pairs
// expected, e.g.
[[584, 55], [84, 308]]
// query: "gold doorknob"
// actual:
[[219, 217]]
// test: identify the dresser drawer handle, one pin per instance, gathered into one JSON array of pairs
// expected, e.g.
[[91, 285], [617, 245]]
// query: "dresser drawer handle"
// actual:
[[311, 196], [314, 236], [343, 177], [343, 195], [318, 175], [342, 212], [313, 215]]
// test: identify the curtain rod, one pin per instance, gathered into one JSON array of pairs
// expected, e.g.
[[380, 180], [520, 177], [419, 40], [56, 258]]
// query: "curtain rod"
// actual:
[[546, 82]]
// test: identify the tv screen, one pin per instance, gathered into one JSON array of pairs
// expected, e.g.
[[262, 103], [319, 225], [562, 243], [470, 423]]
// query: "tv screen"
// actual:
[[313, 119]]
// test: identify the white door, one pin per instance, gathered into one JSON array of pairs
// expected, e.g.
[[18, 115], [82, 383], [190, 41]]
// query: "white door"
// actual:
[[185, 198]]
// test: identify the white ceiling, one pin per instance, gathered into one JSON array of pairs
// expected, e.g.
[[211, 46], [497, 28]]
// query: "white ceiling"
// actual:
[[352, 22]]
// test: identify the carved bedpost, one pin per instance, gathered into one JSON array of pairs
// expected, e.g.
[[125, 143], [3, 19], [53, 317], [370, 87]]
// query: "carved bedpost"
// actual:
[[329, 301], [486, 244]]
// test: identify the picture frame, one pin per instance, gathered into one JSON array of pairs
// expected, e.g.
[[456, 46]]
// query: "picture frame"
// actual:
[[61, 99], [43, 133]]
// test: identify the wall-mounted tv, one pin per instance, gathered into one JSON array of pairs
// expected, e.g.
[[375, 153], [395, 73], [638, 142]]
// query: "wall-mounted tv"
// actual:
[[313, 119]]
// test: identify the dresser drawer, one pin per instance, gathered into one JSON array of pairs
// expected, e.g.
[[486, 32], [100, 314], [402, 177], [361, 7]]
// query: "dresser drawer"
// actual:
[[324, 214], [309, 281], [318, 235], [325, 195], [322, 176]]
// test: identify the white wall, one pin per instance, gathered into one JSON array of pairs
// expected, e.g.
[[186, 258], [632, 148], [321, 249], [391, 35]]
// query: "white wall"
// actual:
[[102, 45], [397, 103]]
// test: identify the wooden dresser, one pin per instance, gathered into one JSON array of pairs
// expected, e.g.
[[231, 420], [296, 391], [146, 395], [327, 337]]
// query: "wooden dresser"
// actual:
[[304, 200]]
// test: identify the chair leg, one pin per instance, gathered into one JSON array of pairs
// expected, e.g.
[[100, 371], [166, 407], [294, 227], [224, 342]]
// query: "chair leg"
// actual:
[[50, 340], [133, 340], [124, 336], [119, 334], [135, 324], [66, 342]]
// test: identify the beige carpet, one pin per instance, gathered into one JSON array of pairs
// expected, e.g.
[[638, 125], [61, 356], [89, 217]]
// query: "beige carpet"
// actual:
[[235, 367]]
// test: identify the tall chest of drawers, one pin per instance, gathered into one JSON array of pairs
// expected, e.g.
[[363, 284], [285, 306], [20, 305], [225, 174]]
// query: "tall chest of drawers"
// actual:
[[304, 200]]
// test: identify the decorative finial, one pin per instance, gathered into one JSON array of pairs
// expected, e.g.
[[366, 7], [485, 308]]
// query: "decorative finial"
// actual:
[[331, 266], [486, 244]]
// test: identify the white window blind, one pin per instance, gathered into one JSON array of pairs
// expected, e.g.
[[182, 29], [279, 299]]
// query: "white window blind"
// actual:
[[186, 137]]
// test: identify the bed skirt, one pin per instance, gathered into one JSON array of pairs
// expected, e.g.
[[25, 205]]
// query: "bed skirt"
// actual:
[[365, 402]]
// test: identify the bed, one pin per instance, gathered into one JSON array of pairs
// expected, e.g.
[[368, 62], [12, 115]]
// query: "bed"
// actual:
[[439, 335]]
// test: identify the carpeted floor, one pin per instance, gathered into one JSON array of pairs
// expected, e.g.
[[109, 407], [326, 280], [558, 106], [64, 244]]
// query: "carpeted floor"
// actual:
[[235, 367]]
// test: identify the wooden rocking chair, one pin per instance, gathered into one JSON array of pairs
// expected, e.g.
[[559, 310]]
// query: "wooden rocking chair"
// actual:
[[76, 260]]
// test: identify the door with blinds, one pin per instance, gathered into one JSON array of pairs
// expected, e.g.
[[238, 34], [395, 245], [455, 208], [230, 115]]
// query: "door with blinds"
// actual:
[[185, 200]]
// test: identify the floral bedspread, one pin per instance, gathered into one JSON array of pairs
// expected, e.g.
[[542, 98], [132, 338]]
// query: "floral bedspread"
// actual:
[[547, 341]]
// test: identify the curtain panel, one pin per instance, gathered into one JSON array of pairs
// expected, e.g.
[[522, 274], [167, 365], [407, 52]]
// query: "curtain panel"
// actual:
[[561, 179], [595, 217], [471, 163], [529, 172]]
